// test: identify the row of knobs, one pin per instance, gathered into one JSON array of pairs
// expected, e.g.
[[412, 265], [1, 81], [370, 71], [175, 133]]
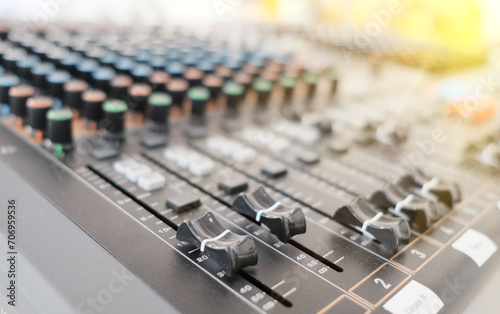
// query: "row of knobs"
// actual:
[[84, 84]]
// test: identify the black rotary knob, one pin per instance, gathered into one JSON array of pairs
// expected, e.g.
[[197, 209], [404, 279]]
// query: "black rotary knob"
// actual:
[[56, 81], [37, 112], [159, 106], [214, 85], [18, 97], [101, 79], [40, 73], [73, 91], [114, 118], [284, 222], [137, 97], [6, 83], [234, 93], [59, 126], [198, 97], [158, 81], [232, 252], [177, 89], [263, 89], [119, 86], [92, 105]]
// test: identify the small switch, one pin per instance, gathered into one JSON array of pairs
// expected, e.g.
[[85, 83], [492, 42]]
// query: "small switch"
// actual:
[[151, 181], [121, 166], [134, 172], [102, 153], [153, 141], [233, 185], [274, 169], [201, 167], [307, 157], [184, 202]]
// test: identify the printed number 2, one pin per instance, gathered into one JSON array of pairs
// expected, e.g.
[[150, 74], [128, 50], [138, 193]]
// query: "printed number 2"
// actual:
[[380, 281]]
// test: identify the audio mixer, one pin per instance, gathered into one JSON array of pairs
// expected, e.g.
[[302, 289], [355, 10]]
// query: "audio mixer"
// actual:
[[246, 169]]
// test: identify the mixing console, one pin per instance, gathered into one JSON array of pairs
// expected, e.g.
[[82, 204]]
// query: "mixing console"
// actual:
[[235, 172]]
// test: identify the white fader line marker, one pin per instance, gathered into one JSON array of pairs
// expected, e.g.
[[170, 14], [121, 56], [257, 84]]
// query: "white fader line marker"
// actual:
[[270, 209], [367, 223], [204, 242]]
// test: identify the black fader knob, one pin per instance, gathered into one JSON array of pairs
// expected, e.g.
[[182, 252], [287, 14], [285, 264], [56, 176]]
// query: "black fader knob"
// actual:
[[18, 96], [284, 222], [435, 188], [59, 126], [114, 118], [391, 232], [232, 252], [419, 212], [40, 73], [101, 79]]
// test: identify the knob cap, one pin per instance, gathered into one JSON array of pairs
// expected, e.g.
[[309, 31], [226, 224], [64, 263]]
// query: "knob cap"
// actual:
[[419, 212], [391, 232], [446, 192], [73, 91], [159, 106], [6, 83], [59, 126], [114, 118], [37, 112], [18, 96], [260, 207], [137, 97], [199, 97], [92, 105], [232, 252]]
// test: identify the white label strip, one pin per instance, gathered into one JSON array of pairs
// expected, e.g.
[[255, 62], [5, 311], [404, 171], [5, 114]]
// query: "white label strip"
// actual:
[[475, 245], [414, 298]]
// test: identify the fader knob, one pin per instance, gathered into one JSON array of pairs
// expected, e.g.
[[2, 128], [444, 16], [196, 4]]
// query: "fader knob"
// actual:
[[419, 212], [391, 232], [446, 192], [284, 222], [232, 252]]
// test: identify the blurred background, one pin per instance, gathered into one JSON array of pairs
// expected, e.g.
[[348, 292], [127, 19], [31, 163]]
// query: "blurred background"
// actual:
[[461, 24]]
